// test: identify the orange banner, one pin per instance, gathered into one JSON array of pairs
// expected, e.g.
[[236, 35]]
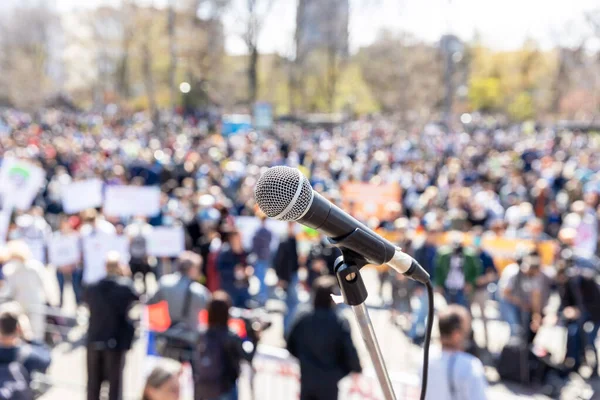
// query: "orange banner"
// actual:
[[504, 250], [366, 200]]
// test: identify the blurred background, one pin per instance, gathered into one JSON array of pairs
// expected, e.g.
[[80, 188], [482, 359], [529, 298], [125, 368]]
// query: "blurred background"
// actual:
[[415, 60]]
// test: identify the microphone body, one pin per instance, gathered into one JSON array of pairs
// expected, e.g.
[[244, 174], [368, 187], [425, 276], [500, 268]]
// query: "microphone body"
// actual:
[[309, 208]]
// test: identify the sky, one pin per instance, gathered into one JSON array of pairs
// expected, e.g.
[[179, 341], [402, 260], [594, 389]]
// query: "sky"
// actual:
[[502, 24]]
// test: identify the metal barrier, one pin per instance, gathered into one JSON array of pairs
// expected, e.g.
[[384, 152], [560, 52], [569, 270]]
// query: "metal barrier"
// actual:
[[276, 376]]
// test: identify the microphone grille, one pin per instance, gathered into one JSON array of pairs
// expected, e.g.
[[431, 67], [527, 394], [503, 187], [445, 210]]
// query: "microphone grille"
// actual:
[[283, 193]]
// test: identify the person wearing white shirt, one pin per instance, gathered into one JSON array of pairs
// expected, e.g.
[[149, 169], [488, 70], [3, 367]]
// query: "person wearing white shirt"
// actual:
[[25, 280], [94, 224], [453, 373]]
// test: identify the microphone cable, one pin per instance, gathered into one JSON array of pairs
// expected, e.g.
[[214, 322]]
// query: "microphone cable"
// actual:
[[427, 342]]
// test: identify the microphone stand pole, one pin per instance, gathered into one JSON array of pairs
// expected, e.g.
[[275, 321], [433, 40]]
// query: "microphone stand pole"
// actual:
[[347, 269]]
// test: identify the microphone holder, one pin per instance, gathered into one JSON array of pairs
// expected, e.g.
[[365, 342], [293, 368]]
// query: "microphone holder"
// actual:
[[347, 269]]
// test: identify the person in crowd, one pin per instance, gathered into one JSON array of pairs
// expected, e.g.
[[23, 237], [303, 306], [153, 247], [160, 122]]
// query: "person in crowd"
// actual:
[[33, 229], [524, 291], [454, 373], [94, 224], [402, 287], [261, 249], [488, 276], [286, 265], [139, 263], [162, 384], [321, 259], [234, 271], [456, 271], [73, 272], [217, 362], [580, 305], [425, 254], [110, 331], [182, 286], [327, 357], [19, 360], [24, 282]]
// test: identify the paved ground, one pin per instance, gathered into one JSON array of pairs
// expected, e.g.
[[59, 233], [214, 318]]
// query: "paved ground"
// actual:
[[68, 370]]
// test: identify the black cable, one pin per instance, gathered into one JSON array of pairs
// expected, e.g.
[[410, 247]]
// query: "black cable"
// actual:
[[427, 339]]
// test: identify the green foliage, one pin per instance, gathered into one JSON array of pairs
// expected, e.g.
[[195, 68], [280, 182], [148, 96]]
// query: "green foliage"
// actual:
[[485, 94], [521, 107]]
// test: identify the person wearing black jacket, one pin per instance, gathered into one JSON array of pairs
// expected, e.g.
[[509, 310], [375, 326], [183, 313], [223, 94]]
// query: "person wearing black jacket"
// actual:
[[580, 304], [31, 357], [286, 266], [216, 365], [321, 341], [110, 332], [321, 259]]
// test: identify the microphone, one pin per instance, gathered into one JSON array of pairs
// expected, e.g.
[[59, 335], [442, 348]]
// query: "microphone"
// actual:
[[283, 193]]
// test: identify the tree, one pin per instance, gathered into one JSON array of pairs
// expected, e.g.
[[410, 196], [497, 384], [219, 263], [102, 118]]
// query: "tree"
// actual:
[[252, 15], [485, 94], [27, 56], [404, 74]]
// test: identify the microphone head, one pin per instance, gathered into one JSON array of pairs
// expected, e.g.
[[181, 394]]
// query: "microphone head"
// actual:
[[283, 193]]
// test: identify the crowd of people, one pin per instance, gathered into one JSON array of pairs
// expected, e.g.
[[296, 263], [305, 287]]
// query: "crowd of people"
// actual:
[[461, 186]]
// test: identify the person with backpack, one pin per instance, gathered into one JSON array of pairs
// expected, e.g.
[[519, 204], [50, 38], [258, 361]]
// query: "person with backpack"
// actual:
[[183, 294], [137, 233], [216, 363], [18, 359], [458, 375], [322, 342], [185, 299]]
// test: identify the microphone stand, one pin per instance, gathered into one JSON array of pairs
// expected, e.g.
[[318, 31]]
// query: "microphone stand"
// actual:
[[347, 269]]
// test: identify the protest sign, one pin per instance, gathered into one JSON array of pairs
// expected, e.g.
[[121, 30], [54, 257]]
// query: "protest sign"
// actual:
[[81, 195], [263, 115], [247, 226], [366, 200], [586, 238], [20, 182], [166, 241], [124, 201], [64, 250], [95, 249], [504, 250]]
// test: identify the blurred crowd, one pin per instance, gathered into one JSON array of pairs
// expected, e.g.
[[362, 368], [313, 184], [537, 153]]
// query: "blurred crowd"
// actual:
[[460, 187]]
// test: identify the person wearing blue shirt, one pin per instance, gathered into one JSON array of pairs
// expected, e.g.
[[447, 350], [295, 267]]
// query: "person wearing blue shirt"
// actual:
[[261, 248], [489, 275], [457, 374], [424, 255]]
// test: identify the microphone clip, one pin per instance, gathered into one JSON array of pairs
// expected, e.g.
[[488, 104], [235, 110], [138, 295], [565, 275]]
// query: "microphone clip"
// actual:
[[347, 271]]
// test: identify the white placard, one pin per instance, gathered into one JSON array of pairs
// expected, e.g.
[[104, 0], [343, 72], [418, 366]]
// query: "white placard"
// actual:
[[81, 195], [124, 201], [20, 182], [586, 238], [247, 226], [95, 249], [64, 250], [166, 241]]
